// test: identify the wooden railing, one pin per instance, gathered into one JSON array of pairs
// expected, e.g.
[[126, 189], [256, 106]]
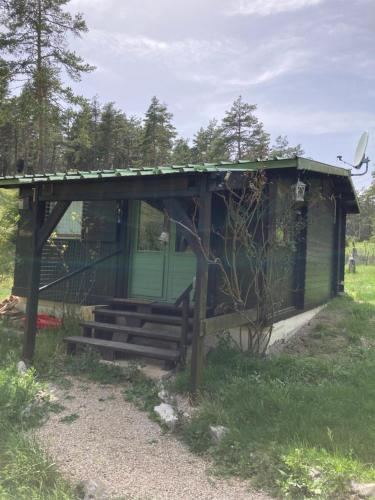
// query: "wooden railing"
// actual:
[[184, 301]]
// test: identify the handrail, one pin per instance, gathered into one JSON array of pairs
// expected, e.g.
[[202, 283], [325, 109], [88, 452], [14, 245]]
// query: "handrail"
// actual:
[[181, 297], [184, 299], [78, 271]]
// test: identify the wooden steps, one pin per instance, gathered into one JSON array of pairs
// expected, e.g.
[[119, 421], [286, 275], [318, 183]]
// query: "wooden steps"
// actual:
[[151, 305], [170, 355], [130, 330], [165, 319], [109, 336]]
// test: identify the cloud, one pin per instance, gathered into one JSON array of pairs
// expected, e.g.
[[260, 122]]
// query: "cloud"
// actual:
[[317, 121], [225, 63], [268, 7]]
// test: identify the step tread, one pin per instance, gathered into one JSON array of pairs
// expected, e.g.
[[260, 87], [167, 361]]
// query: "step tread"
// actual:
[[154, 304], [146, 351], [133, 330], [151, 317]]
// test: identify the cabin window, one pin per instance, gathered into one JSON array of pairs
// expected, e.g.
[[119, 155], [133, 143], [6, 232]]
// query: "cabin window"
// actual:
[[70, 226], [150, 227]]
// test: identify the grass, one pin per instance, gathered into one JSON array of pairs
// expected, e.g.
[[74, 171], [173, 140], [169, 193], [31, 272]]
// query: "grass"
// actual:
[[26, 472], [300, 426], [361, 285]]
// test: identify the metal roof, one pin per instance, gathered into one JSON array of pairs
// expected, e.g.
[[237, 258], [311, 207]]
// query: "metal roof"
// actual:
[[299, 163], [342, 176]]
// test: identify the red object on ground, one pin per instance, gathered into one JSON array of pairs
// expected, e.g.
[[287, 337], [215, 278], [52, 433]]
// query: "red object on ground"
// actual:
[[46, 321]]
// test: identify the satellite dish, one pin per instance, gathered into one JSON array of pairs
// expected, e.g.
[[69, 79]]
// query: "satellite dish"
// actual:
[[360, 152]]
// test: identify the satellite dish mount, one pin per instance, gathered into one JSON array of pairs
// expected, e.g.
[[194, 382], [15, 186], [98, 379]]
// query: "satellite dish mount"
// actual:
[[360, 157]]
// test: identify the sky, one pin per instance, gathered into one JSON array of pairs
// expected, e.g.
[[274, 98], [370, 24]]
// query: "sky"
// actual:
[[308, 65]]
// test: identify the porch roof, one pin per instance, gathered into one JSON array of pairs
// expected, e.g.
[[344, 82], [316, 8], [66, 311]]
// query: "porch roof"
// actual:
[[342, 175], [222, 166]]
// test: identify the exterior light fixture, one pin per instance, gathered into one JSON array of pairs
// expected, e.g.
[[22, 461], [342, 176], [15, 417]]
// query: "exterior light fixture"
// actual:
[[298, 191], [164, 237]]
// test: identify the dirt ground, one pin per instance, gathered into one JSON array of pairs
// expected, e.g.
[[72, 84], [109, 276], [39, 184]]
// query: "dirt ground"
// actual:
[[99, 436], [308, 340]]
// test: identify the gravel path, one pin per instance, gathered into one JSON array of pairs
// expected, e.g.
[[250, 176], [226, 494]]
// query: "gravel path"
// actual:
[[113, 442]]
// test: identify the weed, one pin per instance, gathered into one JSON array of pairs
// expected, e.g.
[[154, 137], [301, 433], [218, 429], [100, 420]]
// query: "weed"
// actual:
[[143, 393], [69, 419]]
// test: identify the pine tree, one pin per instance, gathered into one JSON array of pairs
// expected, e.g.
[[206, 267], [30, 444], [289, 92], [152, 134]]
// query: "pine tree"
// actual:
[[282, 149], [209, 144], [181, 154], [243, 132], [79, 151], [132, 141], [158, 134], [34, 39]]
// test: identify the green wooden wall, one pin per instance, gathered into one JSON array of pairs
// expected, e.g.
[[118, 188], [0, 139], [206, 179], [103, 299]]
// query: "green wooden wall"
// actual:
[[320, 246]]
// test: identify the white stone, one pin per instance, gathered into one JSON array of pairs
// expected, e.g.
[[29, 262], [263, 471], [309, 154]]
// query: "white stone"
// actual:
[[94, 490], [21, 367], [363, 489], [167, 415], [165, 396], [217, 432]]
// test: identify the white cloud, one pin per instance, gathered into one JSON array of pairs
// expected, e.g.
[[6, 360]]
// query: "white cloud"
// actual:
[[268, 7], [225, 63], [317, 122]]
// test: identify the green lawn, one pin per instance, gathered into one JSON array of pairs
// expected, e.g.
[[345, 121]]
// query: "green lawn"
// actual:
[[291, 415], [361, 284]]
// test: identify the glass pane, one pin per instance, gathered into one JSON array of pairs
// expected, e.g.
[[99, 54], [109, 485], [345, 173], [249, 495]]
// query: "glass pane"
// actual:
[[71, 223], [182, 244], [150, 226]]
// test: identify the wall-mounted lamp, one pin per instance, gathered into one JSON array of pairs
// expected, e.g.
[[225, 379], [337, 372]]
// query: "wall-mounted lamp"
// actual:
[[298, 191], [164, 237]]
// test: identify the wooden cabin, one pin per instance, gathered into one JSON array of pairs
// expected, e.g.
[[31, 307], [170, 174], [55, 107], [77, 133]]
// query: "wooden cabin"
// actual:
[[106, 238]]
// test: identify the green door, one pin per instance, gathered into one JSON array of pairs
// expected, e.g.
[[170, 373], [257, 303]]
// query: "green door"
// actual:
[[158, 270]]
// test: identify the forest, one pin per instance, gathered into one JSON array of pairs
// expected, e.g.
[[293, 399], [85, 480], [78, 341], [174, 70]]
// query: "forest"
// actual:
[[45, 127]]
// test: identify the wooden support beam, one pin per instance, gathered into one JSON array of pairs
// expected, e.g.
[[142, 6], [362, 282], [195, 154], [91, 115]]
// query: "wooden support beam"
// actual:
[[51, 222], [121, 188], [177, 212], [38, 210], [200, 306]]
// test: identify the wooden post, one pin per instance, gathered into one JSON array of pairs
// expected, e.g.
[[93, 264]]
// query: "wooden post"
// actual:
[[200, 305], [38, 209]]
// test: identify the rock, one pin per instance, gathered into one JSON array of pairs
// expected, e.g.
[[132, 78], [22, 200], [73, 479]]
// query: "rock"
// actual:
[[314, 473], [165, 396], [94, 490], [363, 489], [167, 415], [217, 432], [21, 367]]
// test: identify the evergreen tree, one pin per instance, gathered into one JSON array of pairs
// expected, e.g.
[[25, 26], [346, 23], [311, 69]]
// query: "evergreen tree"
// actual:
[[282, 148], [243, 132], [209, 144], [181, 154], [79, 153], [132, 140], [34, 39], [158, 134]]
